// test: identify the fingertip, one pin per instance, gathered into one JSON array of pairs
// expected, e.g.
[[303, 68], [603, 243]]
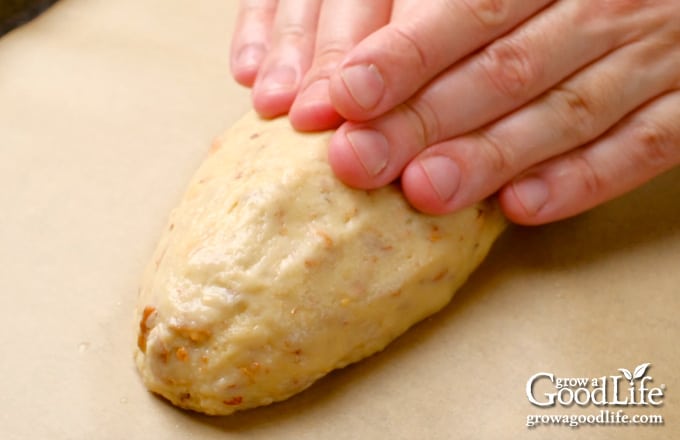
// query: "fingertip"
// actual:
[[420, 192], [514, 208], [245, 76], [272, 103], [338, 95], [547, 194], [312, 109], [274, 92], [345, 163], [342, 100], [314, 117], [246, 63]]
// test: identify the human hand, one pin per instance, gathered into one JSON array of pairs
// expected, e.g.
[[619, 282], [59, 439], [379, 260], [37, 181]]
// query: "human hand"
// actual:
[[286, 51], [471, 96]]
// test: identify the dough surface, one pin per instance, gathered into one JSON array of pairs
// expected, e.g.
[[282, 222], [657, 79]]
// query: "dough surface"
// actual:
[[271, 273]]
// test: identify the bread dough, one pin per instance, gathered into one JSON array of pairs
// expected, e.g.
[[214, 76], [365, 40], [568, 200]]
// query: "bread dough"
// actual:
[[271, 273]]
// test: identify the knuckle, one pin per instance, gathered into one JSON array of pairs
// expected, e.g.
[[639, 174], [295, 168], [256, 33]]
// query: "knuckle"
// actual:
[[576, 111], [327, 59], [257, 9], [665, 43], [592, 182], [255, 5], [495, 154], [619, 8], [330, 52], [605, 18], [405, 41], [490, 14], [656, 145], [510, 67], [425, 119], [293, 32]]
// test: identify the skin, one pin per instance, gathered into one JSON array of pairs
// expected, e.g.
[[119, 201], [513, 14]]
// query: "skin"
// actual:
[[557, 106]]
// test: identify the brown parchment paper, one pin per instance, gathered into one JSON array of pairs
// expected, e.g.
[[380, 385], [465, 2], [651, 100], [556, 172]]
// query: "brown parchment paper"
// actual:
[[106, 109]]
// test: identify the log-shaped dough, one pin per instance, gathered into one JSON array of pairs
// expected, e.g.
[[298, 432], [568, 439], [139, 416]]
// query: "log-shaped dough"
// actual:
[[271, 272]]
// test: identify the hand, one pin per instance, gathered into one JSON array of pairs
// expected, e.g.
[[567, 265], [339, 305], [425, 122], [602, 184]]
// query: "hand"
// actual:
[[560, 105], [287, 50]]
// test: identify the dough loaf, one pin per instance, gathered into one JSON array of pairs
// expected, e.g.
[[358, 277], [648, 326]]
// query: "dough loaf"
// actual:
[[271, 273]]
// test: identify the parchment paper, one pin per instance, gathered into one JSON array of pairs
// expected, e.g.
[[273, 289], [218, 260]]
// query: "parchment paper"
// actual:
[[106, 109]]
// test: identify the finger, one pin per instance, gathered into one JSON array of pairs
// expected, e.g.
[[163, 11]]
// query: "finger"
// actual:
[[509, 73], [292, 49], [643, 146], [342, 24], [370, 155], [512, 71], [469, 95], [250, 42], [459, 172], [393, 63]]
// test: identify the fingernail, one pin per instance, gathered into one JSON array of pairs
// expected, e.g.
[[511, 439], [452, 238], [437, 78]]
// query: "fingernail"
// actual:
[[365, 84], [280, 77], [444, 175], [532, 193], [371, 148], [250, 56]]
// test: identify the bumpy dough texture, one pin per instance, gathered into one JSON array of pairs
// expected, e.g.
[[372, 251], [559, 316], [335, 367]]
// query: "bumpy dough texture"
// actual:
[[271, 273]]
